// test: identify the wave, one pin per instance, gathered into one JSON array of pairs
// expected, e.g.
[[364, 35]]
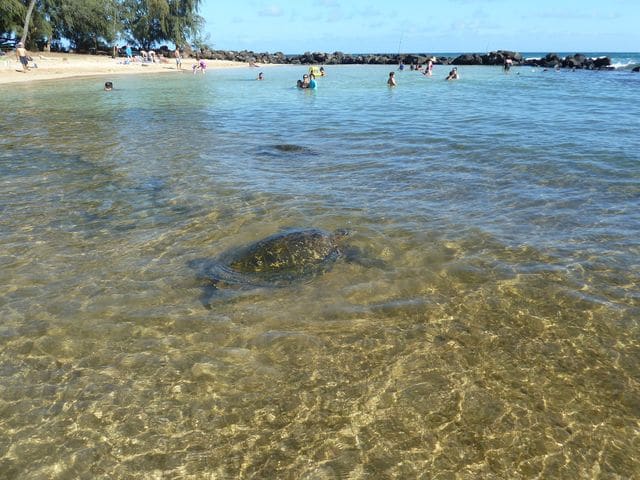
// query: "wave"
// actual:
[[625, 64]]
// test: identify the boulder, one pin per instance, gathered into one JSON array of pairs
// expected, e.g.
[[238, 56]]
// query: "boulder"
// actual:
[[515, 56], [602, 62], [319, 57], [468, 59], [551, 60]]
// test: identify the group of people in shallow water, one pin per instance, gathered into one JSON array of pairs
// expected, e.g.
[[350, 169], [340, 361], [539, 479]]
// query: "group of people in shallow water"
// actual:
[[428, 68], [309, 80], [453, 73]]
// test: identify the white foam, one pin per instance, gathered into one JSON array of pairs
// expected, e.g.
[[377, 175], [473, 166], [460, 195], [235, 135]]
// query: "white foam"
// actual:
[[622, 65]]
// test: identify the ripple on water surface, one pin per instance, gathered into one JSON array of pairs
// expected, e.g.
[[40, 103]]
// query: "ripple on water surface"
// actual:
[[496, 338]]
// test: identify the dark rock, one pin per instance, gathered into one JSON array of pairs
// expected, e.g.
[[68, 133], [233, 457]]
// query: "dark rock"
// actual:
[[601, 62], [468, 59], [636, 69], [551, 60]]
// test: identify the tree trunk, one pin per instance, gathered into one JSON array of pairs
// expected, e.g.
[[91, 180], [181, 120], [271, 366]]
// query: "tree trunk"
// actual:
[[27, 20]]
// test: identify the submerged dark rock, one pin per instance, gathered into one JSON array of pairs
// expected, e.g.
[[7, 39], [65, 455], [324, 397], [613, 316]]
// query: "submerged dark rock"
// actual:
[[292, 148]]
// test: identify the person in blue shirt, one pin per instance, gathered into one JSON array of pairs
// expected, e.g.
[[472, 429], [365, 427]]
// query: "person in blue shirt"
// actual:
[[308, 81]]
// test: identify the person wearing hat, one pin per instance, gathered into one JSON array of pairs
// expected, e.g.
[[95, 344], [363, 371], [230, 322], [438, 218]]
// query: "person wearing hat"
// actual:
[[21, 55]]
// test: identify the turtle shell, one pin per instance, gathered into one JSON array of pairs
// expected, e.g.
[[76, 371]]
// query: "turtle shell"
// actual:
[[279, 259]]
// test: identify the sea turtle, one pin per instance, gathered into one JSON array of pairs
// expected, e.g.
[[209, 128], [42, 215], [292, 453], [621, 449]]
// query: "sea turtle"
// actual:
[[278, 260]]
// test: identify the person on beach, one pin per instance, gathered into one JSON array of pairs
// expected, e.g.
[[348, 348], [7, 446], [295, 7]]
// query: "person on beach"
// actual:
[[108, 86], [178, 58], [22, 57], [392, 79], [453, 74], [128, 52]]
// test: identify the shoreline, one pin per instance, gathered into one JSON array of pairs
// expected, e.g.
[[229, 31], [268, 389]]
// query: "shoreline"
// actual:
[[56, 66]]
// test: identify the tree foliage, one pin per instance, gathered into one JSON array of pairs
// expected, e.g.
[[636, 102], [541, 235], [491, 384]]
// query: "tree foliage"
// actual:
[[12, 13], [88, 23], [85, 23], [151, 21]]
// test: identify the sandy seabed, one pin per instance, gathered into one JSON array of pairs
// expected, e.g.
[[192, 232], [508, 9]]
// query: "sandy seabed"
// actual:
[[51, 66]]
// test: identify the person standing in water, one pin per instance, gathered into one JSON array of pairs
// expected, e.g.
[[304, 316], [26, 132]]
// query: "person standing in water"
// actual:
[[392, 79], [428, 70]]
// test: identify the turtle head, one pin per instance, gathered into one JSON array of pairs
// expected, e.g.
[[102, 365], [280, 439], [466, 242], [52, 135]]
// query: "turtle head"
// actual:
[[342, 233]]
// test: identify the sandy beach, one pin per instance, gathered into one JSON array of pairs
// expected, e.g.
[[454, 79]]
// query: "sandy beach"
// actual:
[[52, 66]]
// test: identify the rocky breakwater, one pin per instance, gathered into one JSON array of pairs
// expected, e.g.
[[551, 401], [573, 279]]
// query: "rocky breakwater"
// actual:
[[498, 57], [579, 61], [491, 58]]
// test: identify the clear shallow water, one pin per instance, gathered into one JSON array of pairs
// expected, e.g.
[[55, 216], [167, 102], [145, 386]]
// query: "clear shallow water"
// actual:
[[501, 339]]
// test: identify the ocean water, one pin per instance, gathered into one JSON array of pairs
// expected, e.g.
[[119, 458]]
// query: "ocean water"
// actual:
[[494, 334]]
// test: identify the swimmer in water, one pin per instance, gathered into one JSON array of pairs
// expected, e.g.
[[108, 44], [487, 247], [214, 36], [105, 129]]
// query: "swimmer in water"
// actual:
[[392, 79]]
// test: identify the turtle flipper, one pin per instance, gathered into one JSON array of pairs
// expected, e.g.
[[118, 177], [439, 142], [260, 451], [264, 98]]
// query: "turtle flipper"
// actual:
[[209, 291]]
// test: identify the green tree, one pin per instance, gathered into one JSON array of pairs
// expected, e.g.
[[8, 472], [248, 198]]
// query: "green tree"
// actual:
[[88, 23], [153, 21], [25, 19], [85, 23], [12, 13]]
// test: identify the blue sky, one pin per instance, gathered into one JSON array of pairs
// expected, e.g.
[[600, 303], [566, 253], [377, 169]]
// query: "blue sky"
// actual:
[[367, 26]]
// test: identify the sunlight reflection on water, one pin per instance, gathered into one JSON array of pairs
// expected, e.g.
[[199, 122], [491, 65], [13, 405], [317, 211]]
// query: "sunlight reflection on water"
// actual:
[[500, 340]]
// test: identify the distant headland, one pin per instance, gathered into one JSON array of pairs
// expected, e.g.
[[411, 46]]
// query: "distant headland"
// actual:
[[551, 60]]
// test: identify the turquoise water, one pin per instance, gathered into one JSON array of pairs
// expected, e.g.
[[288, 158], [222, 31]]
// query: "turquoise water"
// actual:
[[496, 336]]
